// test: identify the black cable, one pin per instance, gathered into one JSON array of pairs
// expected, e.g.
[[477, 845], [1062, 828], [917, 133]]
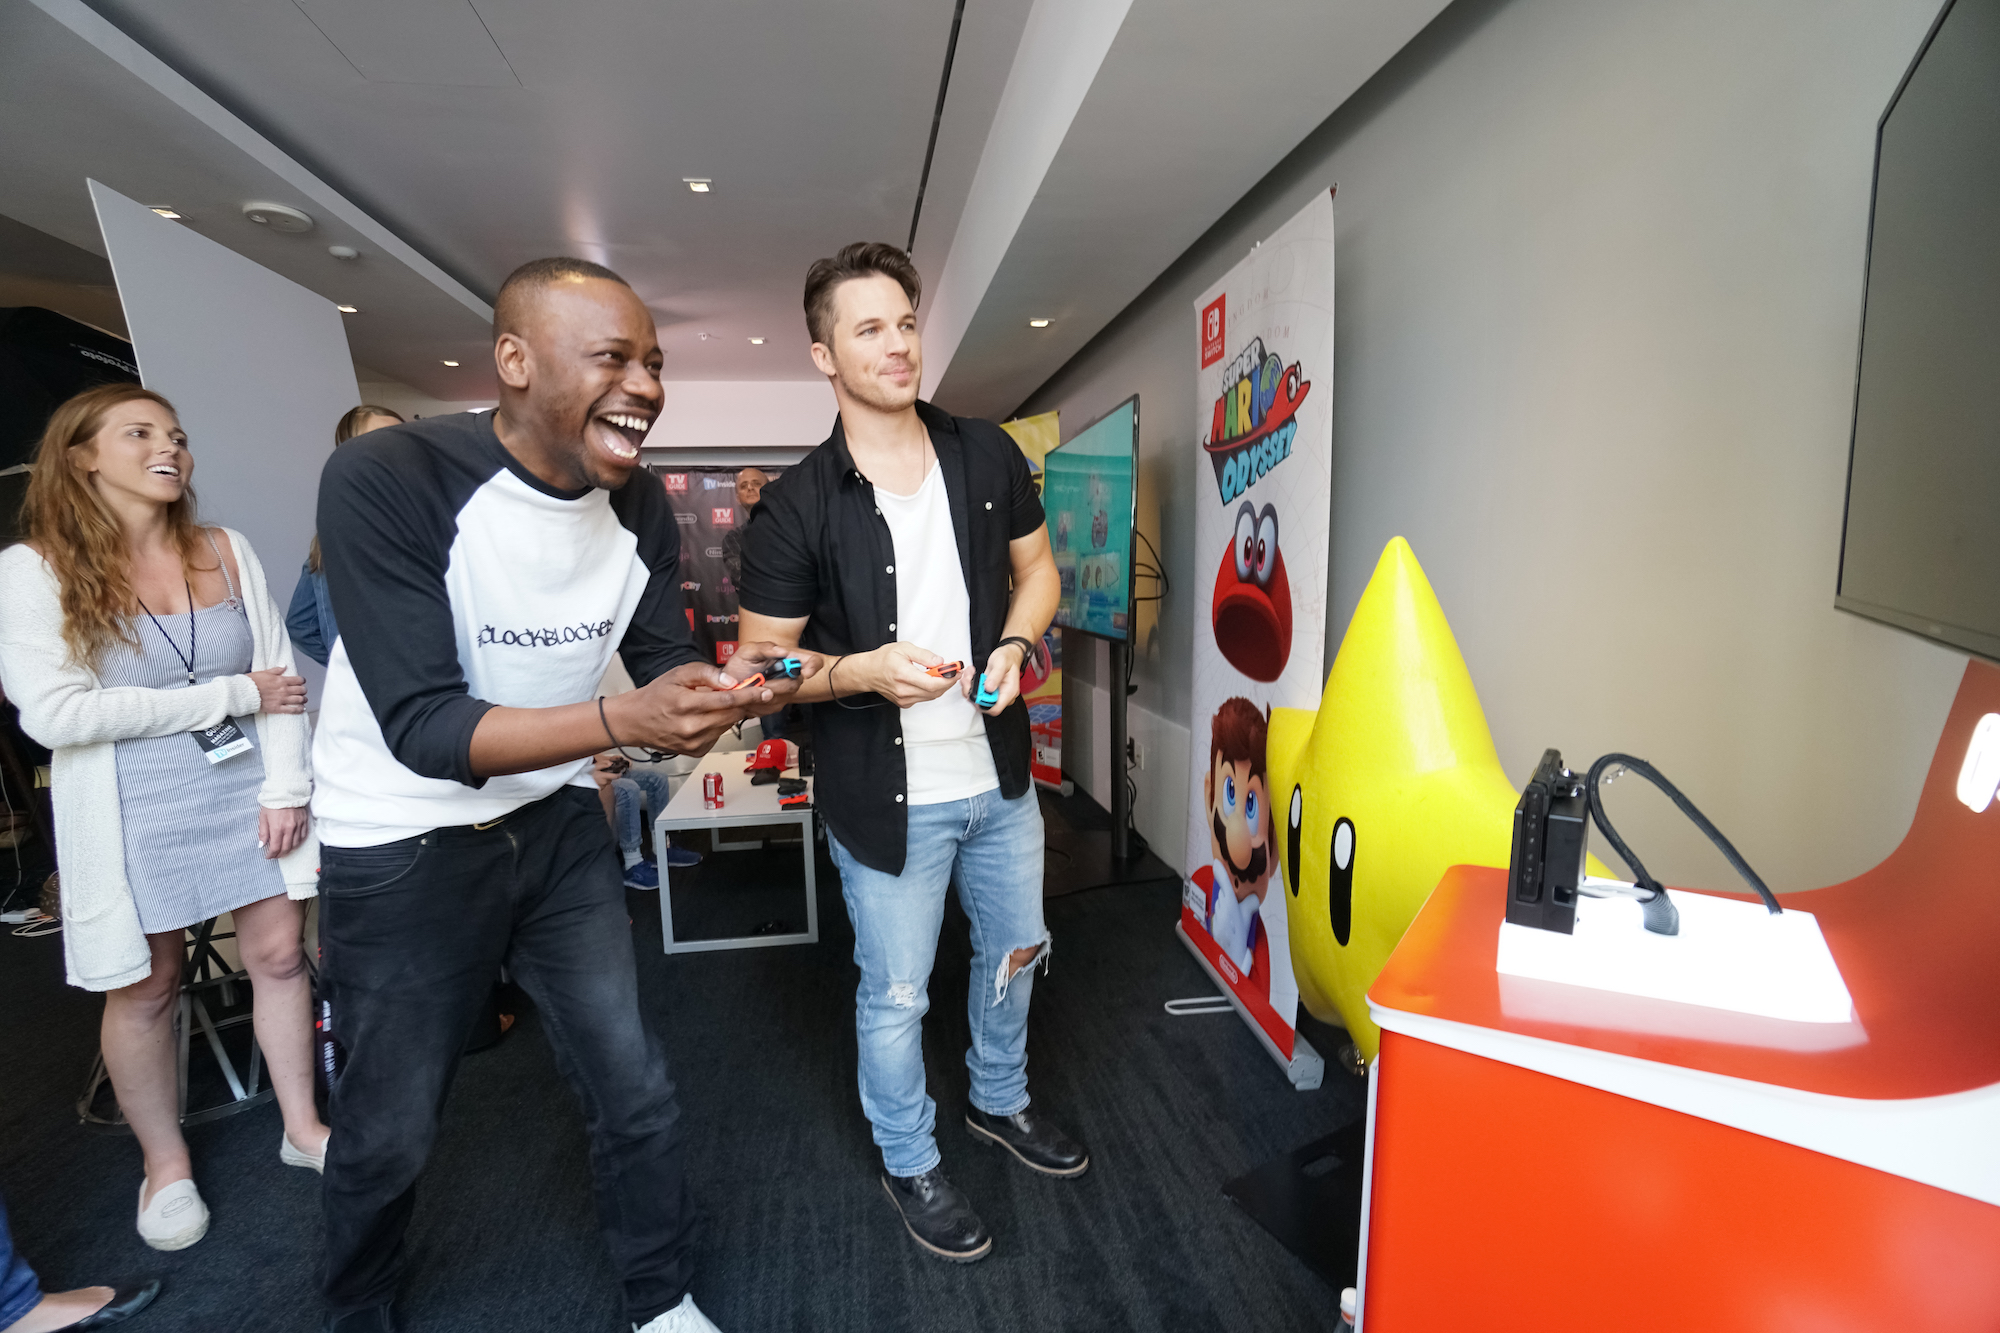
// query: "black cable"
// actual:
[[937, 117], [1156, 570], [1653, 775], [830, 688], [1131, 762]]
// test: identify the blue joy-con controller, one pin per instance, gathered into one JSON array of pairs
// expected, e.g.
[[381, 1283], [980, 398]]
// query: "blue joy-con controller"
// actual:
[[985, 698], [791, 668]]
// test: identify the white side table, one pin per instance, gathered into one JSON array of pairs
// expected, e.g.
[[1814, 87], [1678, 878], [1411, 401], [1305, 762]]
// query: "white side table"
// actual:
[[742, 805]]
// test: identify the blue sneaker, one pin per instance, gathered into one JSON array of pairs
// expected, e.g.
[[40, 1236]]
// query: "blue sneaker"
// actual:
[[641, 875], [679, 858]]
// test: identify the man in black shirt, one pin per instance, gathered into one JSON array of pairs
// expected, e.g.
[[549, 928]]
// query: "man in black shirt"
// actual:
[[483, 568], [910, 549]]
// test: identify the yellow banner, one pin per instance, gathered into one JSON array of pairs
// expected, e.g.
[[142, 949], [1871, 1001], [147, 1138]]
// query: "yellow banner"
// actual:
[[1036, 435]]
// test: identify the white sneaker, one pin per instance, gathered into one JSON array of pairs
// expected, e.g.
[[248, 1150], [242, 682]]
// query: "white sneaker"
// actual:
[[175, 1219], [292, 1156], [683, 1318]]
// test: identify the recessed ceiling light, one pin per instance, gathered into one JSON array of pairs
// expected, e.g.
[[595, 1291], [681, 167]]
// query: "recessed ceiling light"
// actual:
[[343, 252], [757, 342], [451, 363], [164, 211], [348, 309], [699, 184], [1038, 323]]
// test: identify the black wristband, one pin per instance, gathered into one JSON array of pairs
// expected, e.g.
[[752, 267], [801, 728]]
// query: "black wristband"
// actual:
[[1027, 649]]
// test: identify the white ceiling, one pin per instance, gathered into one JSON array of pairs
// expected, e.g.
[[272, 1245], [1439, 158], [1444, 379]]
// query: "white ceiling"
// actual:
[[448, 140], [1191, 106]]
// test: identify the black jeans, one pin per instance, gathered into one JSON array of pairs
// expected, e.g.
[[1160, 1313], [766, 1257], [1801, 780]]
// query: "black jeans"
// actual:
[[413, 933]]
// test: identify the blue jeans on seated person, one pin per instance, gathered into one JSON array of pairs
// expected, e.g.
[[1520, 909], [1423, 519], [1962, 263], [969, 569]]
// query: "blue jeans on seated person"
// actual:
[[635, 785], [993, 848], [20, 1291]]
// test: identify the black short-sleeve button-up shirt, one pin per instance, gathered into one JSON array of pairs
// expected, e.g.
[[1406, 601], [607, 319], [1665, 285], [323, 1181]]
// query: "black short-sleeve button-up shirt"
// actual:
[[817, 546]]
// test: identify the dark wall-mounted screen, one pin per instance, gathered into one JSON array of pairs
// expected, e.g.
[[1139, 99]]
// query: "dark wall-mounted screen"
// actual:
[[1921, 549]]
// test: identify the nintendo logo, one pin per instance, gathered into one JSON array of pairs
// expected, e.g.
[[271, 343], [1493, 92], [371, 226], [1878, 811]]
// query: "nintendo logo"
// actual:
[[1214, 324], [723, 516], [676, 481]]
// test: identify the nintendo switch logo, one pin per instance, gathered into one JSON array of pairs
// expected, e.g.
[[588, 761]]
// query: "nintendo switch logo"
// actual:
[[724, 650], [1214, 323], [723, 517], [676, 481]]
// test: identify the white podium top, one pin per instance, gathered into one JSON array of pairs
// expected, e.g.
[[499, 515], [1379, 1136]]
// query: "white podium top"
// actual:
[[741, 802], [1729, 955]]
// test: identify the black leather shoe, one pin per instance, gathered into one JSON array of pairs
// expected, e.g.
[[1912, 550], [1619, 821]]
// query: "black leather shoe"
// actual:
[[939, 1216], [124, 1303], [1030, 1137], [374, 1319]]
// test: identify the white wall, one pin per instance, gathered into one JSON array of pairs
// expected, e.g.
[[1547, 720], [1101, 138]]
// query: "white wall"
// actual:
[[256, 365], [409, 403], [725, 414], [1600, 275]]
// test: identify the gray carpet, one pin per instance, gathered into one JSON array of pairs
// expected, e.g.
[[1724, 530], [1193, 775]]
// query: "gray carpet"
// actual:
[[797, 1234]]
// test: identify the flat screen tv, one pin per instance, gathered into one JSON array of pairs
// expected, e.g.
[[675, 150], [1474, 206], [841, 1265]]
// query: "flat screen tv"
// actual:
[[1088, 497], [1921, 545]]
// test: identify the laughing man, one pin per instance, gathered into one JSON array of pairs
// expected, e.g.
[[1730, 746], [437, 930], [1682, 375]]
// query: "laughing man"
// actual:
[[484, 567]]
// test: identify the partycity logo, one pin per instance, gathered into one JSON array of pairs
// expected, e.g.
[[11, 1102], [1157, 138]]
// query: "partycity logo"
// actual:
[[1255, 418]]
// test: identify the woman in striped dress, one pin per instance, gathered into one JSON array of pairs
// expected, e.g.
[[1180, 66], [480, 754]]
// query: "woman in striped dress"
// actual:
[[140, 647]]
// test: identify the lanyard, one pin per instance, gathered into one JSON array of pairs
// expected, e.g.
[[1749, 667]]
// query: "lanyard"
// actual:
[[187, 658]]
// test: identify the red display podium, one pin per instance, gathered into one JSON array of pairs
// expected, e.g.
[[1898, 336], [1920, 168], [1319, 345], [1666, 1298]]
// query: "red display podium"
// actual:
[[1569, 1160]]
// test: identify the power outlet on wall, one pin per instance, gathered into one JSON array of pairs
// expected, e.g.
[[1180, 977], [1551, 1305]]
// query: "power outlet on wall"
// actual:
[[1135, 752]]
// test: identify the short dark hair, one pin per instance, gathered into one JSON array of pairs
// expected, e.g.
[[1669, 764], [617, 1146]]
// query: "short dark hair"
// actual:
[[860, 260], [1238, 735], [534, 276]]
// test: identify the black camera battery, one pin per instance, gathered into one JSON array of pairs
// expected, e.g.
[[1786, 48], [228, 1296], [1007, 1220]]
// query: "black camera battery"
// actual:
[[1551, 839]]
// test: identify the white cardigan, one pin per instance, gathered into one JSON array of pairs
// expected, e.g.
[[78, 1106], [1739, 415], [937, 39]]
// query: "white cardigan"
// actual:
[[68, 709]]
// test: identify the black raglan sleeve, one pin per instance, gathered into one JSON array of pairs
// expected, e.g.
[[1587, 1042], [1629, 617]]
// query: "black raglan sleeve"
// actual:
[[1025, 500], [780, 577], [387, 519], [659, 637]]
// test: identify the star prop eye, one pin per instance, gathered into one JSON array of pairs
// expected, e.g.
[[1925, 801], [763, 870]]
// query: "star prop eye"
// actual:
[[1246, 542], [1340, 881], [1294, 825], [1267, 545]]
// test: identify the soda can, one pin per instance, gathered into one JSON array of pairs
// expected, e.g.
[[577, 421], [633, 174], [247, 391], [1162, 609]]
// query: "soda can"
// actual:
[[711, 791]]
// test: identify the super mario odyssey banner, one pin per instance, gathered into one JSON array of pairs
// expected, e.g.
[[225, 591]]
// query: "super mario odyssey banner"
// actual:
[[1264, 424]]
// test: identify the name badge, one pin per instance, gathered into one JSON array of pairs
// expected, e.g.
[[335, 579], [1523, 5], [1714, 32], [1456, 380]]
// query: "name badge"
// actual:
[[224, 740]]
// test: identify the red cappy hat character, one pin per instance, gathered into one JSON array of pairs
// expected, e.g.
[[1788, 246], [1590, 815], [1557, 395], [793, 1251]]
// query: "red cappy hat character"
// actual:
[[1252, 608]]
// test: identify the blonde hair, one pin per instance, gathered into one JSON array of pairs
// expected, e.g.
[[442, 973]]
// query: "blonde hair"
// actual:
[[349, 427], [79, 536]]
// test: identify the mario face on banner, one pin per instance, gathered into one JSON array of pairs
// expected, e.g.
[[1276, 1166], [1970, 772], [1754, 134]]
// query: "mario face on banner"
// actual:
[[1237, 909]]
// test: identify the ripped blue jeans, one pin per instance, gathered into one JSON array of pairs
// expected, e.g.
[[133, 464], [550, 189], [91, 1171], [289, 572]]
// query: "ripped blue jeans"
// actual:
[[993, 848]]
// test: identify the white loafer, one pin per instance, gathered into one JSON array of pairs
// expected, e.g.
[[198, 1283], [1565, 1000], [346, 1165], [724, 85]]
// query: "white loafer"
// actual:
[[175, 1219], [292, 1156]]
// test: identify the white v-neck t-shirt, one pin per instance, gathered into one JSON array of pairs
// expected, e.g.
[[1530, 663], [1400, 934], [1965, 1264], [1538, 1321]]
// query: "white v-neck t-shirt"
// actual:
[[945, 750]]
